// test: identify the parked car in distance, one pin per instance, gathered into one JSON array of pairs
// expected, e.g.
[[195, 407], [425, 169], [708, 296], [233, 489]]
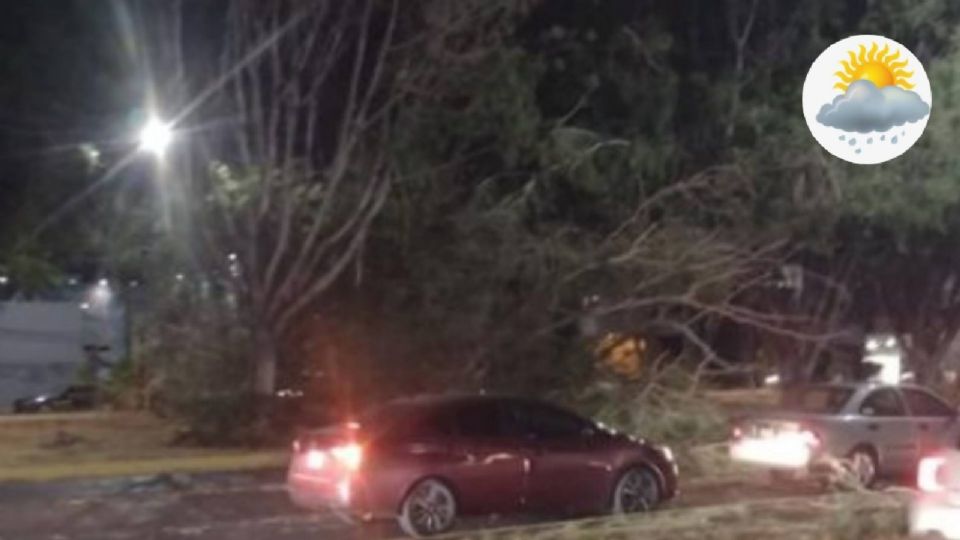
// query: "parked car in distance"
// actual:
[[427, 461], [936, 507], [73, 398], [874, 430]]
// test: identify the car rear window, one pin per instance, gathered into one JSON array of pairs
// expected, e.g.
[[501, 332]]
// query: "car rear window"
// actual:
[[407, 420], [818, 400]]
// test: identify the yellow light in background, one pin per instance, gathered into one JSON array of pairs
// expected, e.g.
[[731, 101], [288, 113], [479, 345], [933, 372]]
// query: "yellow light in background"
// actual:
[[622, 354]]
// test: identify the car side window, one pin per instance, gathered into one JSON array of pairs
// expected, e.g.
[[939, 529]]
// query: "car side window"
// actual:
[[480, 419], [883, 402], [548, 423], [922, 403], [436, 423]]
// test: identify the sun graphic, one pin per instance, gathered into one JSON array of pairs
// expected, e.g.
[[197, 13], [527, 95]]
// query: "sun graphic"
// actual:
[[882, 69]]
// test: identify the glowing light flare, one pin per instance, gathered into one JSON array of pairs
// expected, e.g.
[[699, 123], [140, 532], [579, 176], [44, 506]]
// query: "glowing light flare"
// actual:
[[810, 438], [926, 518], [928, 474], [792, 450], [348, 455], [343, 491], [101, 293], [315, 459], [155, 137]]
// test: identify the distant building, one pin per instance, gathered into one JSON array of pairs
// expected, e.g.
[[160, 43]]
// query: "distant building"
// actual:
[[45, 346]]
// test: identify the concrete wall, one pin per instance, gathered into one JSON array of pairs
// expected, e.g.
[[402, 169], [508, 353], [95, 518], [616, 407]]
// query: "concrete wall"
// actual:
[[42, 344]]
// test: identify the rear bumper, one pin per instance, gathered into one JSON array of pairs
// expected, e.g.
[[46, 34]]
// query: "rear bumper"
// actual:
[[317, 493], [314, 494], [346, 495], [936, 514]]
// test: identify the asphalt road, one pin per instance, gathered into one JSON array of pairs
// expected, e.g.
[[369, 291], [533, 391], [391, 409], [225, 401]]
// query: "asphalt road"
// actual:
[[235, 507]]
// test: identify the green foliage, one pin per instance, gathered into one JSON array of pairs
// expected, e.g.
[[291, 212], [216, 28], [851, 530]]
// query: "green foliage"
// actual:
[[125, 387], [86, 374], [193, 361], [667, 412]]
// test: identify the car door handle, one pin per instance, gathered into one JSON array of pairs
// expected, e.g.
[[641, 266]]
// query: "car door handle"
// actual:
[[873, 427]]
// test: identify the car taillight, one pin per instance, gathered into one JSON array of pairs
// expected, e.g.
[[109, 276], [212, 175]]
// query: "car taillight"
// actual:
[[315, 459], [928, 474], [348, 455], [737, 433], [811, 438]]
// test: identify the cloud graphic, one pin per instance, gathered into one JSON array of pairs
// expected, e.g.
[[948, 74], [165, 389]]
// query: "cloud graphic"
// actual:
[[865, 108]]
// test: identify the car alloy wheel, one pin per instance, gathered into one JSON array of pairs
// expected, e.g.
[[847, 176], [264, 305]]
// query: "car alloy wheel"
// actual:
[[637, 490], [864, 467], [428, 509]]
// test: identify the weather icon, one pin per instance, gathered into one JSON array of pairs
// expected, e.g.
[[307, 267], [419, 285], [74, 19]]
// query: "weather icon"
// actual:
[[867, 99]]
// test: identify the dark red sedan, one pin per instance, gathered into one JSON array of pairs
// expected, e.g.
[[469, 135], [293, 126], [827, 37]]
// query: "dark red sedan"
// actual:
[[426, 461]]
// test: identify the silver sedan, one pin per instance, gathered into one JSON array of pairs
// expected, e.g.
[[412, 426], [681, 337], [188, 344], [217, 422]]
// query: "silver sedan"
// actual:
[[871, 429]]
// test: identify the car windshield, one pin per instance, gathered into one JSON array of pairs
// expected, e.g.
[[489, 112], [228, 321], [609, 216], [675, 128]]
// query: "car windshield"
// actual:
[[817, 400]]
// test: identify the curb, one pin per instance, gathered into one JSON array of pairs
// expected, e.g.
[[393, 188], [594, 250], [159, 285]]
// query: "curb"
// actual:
[[197, 464], [268, 478]]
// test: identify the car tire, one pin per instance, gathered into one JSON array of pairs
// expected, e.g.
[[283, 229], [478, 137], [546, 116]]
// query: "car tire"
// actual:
[[637, 489], [864, 466], [428, 509]]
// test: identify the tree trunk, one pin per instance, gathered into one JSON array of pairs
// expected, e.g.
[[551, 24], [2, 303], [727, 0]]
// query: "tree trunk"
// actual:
[[925, 366], [266, 364]]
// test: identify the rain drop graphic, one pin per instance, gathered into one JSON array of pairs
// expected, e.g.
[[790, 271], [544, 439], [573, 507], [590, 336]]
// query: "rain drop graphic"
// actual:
[[858, 150], [870, 140], [883, 137], [894, 139], [843, 137], [853, 142]]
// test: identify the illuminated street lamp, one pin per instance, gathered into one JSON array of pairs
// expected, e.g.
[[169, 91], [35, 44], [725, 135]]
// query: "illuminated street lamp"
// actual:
[[155, 137], [102, 294]]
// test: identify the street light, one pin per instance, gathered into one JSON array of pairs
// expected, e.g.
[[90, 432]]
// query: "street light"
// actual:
[[102, 294], [155, 137]]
